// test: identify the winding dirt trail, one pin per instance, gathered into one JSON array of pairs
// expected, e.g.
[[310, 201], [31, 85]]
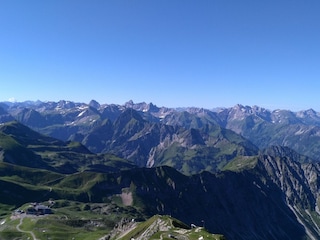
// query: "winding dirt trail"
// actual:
[[20, 230]]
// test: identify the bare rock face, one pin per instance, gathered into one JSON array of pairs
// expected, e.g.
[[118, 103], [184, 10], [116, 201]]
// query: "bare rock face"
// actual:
[[290, 177], [293, 173]]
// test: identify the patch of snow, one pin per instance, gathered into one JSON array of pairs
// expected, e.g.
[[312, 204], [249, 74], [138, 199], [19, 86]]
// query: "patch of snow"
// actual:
[[299, 132], [80, 114], [82, 107]]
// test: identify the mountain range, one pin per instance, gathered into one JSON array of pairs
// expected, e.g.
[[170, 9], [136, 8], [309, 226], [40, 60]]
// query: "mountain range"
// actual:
[[243, 172], [67, 120]]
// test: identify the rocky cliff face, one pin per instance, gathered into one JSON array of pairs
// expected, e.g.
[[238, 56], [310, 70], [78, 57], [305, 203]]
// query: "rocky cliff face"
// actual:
[[240, 205], [298, 182]]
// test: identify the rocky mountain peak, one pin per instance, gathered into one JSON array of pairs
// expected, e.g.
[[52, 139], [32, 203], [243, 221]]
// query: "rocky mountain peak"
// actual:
[[239, 112], [284, 117], [309, 112], [142, 107], [129, 104], [94, 104], [282, 152], [66, 104], [279, 151], [309, 117]]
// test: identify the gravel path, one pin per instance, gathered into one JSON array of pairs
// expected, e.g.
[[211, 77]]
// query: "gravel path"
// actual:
[[20, 230]]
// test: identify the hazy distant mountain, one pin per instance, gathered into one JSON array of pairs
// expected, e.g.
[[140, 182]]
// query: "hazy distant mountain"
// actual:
[[66, 120]]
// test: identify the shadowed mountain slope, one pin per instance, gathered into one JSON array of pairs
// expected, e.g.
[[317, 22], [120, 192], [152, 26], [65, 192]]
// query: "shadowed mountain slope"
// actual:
[[22, 146]]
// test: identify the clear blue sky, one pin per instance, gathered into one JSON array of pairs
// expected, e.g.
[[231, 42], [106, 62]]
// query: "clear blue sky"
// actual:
[[174, 53]]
